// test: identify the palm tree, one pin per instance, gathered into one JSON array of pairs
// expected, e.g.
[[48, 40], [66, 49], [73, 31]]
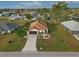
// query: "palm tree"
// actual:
[[60, 11], [55, 12]]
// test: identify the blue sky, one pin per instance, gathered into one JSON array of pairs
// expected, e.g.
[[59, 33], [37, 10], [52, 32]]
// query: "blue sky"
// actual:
[[34, 4]]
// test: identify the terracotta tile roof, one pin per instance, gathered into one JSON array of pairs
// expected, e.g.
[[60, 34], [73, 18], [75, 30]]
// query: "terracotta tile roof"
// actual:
[[39, 25]]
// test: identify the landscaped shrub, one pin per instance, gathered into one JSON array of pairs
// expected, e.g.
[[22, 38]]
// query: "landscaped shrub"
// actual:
[[21, 31], [51, 27], [29, 16]]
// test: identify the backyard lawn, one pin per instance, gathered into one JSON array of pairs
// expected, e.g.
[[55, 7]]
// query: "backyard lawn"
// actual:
[[6, 19], [59, 40]]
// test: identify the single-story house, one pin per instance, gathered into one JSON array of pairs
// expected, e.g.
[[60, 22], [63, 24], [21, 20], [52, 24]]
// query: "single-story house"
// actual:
[[40, 16], [38, 27], [14, 16], [7, 27], [17, 17], [36, 16], [74, 16], [71, 26], [5, 13]]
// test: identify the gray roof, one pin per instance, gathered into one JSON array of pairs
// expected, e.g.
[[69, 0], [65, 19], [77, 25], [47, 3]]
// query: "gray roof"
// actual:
[[7, 26], [11, 26], [75, 16], [15, 16], [3, 27], [72, 25]]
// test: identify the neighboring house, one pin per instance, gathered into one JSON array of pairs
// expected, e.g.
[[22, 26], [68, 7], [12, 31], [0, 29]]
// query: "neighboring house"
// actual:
[[34, 15], [38, 27], [5, 14], [74, 16], [49, 18], [14, 16], [7, 27], [40, 16], [17, 17], [71, 26], [0, 14]]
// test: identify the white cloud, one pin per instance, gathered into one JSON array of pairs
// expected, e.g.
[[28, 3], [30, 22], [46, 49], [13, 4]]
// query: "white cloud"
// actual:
[[37, 3], [32, 4], [19, 6], [55, 2], [73, 2]]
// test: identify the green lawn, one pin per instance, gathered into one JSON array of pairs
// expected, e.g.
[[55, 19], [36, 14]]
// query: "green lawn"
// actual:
[[16, 37], [59, 40], [16, 45], [6, 20]]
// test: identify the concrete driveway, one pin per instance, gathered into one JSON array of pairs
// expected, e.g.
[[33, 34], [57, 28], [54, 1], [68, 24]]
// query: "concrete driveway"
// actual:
[[31, 43], [76, 36]]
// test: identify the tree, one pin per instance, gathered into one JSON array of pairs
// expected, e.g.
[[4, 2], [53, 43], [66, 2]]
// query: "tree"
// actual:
[[60, 11], [0, 10], [43, 11], [21, 31], [29, 16]]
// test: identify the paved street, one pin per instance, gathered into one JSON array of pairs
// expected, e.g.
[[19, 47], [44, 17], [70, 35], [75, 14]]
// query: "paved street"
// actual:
[[30, 44], [39, 54]]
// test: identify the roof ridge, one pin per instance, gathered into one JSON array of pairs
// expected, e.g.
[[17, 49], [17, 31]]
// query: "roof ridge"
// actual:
[[41, 25], [38, 25]]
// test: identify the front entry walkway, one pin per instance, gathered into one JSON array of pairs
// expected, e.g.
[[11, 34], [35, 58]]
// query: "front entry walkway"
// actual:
[[31, 43]]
